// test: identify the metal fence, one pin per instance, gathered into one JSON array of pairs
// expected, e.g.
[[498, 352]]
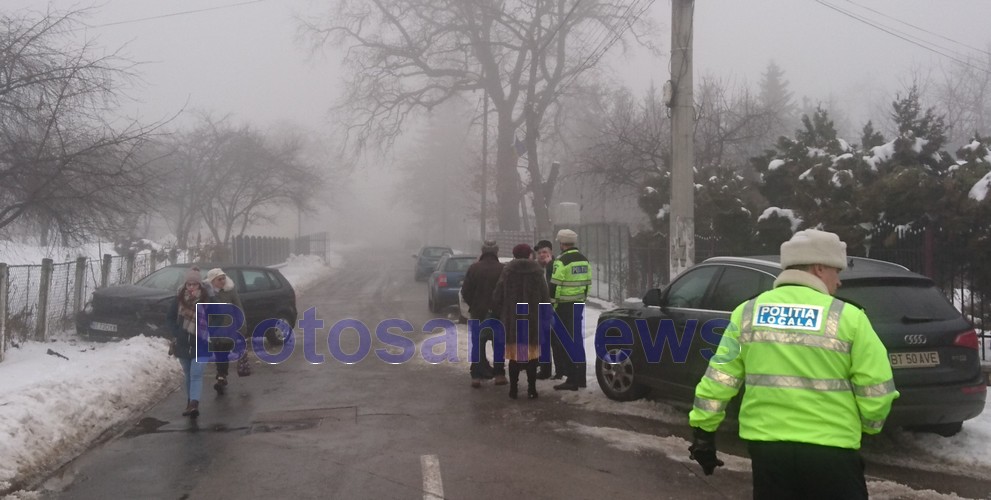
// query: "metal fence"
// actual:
[[36, 300], [605, 245]]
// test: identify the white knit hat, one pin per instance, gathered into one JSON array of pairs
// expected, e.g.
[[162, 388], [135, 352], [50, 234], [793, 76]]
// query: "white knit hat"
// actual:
[[214, 273], [567, 236], [812, 246]]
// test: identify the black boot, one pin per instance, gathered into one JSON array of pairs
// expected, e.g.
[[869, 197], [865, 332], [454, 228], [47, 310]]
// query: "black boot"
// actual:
[[579, 375], [514, 378], [531, 379]]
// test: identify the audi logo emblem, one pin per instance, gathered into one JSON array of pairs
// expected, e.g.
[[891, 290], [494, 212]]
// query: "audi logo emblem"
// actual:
[[915, 339]]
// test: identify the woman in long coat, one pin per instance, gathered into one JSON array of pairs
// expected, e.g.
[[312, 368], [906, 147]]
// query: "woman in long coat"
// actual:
[[522, 281], [190, 348]]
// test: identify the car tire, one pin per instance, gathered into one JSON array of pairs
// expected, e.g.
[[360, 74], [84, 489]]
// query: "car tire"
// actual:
[[948, 429], [431, 305], [618, 380], [275, 337]]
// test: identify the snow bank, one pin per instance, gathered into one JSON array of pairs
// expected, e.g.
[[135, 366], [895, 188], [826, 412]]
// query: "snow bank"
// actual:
[[52, 408]]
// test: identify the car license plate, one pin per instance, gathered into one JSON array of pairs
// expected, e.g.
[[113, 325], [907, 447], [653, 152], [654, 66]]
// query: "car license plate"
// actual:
[[925, 359], [106, 327]]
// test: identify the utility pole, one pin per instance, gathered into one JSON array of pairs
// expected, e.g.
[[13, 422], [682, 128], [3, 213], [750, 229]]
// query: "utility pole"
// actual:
[[681, 239], [485, 158]]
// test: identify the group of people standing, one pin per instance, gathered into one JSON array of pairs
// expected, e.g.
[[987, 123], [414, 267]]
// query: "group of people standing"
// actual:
[[514, 291], [190, 344]]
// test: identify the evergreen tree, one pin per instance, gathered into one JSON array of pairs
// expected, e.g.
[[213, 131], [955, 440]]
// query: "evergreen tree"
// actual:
[[909, 170], [774, 93], [777, 100], [814, 174], [870, 137]]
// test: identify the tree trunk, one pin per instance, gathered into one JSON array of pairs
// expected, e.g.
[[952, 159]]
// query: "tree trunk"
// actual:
[[507, 179]]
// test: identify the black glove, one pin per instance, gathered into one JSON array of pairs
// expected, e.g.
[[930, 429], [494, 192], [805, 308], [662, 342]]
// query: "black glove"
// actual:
[[703, 450]]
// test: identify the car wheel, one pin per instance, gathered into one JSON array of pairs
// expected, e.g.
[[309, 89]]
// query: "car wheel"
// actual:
[[274, 336], [617, 379], [431, 305], [946, 430]]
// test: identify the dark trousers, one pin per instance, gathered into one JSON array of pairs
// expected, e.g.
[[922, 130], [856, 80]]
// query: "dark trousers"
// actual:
[[570, 365], [478, 369], [783, 470], [222, 348]]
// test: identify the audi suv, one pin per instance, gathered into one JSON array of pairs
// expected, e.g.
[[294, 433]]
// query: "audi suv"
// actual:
[[932, 349]]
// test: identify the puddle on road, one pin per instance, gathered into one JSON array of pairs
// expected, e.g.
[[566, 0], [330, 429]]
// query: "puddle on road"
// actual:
[[151, 425], [301, 419], [146, 425]]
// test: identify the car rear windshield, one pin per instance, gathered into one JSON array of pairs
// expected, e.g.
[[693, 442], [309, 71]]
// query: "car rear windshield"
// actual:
[[899, 301], [458, 265], [435, 251]]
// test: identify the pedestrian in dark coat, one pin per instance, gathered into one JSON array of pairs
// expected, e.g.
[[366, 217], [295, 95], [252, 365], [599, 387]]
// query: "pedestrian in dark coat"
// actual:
[[191, 348], [522, 281], [223, 291], [476, 289], [544, 251]]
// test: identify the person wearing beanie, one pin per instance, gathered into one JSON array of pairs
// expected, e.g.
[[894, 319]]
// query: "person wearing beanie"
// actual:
[[545, 257], [570, 281], [191, 349], [222, 291], [476, 290], [522, 282], [817, 379]]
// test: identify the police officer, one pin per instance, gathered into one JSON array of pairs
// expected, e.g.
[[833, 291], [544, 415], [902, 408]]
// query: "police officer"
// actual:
[[817, 377], [570, 281]]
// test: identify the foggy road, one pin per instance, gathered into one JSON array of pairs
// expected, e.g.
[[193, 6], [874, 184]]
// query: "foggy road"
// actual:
[[412, 430]]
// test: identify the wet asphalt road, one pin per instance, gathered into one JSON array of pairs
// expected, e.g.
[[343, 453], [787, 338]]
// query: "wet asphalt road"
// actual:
[[378, 430]]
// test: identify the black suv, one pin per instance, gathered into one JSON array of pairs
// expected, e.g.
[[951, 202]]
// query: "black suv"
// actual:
[[933, 350], [130, 310]]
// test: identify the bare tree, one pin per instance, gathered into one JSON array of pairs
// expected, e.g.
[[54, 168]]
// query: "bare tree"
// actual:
[[184, 165], [248, 174], [963, 93], [407, 55], [64, 163], [631, 143]]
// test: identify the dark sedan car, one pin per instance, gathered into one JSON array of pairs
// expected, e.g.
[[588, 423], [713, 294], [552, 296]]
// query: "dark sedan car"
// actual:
[[129, 310], [933, 350], [444, 285], [426, 260]]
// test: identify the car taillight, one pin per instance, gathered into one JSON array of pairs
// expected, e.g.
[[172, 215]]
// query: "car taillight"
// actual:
[[442, 281], [967, 339]]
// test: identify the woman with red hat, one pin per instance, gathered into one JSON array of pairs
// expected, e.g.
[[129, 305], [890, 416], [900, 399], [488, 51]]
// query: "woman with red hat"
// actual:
[[518, 295]]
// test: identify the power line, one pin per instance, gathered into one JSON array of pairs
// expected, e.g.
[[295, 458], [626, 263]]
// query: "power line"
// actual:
[[174, 14], [897, 34], [924, 30], [626, 22]]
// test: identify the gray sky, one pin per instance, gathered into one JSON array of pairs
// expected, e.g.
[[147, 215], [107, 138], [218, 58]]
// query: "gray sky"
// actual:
[[246, 60]]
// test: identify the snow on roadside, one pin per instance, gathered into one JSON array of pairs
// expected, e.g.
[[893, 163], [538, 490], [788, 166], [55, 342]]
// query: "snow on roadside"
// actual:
[[52, 409], [675, 448], [305, 270]]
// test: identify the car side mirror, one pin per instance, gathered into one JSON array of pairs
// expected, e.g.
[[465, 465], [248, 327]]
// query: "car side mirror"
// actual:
[[652, 298], [414, 256]]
